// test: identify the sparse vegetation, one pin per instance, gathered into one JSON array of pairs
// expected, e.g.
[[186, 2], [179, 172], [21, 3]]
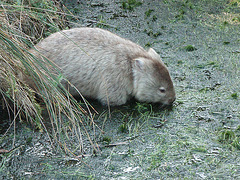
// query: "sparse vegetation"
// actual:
[[198, 138], [152, 34], [101, 22], [210, 63]]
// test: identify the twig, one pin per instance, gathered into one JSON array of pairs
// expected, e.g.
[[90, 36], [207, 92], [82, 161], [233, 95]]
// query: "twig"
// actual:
[[117, 144]]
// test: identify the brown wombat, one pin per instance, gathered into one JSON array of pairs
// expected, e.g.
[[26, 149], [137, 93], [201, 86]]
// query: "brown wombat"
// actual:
[[104, 66]]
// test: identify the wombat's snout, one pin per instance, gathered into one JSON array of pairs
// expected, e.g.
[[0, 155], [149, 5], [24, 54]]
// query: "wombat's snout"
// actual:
[[171, 100]]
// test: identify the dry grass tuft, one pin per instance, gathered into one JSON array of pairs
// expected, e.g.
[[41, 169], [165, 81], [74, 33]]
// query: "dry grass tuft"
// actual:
[[21, 25]]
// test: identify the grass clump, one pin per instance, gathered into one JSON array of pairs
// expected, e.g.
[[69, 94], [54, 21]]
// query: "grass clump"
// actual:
[[189, 48], [152, 34], [23, 23], [226, 42], [106, 139], [130, 4], [149, 12], [234, 95], [180, 15], [123, 128], [34, 19], [230, 138]]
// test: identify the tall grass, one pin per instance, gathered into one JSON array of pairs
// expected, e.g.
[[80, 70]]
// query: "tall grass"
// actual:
[[23, 23]]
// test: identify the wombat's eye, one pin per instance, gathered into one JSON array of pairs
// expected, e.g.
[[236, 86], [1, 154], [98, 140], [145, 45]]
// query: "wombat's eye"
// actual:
[[162, 90]]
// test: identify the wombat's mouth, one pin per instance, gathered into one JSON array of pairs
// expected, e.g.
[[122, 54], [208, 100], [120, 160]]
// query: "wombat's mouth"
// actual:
[[166, 106], [162, 105]]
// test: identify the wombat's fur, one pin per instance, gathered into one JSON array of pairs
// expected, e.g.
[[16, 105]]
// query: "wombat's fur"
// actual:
[[106, 67]]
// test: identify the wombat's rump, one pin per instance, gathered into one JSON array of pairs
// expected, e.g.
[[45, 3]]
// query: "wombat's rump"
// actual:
[[106, 67]]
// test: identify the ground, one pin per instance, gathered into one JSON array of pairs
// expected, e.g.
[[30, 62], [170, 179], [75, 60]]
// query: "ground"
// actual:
[[198, 138]]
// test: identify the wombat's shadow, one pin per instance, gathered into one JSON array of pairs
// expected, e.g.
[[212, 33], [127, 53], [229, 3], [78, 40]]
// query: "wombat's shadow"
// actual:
[[131, 106]]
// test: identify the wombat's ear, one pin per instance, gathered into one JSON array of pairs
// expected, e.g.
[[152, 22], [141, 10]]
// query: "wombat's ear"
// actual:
[[153, 54], [139, 63]]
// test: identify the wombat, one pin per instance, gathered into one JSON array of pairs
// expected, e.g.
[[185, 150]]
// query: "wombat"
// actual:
[[104, 66]]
